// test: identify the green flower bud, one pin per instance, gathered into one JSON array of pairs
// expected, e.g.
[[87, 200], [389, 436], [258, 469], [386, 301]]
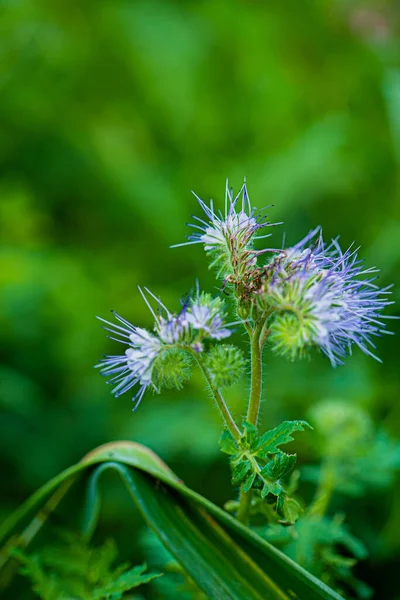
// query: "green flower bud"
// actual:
[[290, 335], [244, 310], [226, 364], [172, 368]]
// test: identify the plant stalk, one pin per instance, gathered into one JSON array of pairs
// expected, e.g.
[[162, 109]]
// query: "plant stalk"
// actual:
[[243, 513], [223, 407], [256, 376], [253, 410]]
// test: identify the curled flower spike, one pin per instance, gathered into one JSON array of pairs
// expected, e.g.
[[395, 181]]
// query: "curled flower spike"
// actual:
[[136, 365], [323, 296], [200, 318], [205, 315], [228, 238]]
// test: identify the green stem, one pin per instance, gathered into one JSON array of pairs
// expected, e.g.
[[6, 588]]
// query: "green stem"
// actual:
[[256, 376], [223, 407], [257, 342], [264, 336], [243, 513]]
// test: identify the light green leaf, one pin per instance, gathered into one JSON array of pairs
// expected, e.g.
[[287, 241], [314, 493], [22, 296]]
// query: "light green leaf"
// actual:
[[291, 510]]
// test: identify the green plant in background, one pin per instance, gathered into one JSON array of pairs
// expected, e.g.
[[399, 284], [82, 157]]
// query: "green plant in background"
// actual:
[[290, 300], [73, 569]]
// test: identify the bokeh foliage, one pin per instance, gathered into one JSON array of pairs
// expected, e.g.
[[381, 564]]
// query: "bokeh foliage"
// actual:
[[110, 113]]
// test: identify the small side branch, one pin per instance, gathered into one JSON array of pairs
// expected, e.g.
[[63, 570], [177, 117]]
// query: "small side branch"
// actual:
[[223, 407]]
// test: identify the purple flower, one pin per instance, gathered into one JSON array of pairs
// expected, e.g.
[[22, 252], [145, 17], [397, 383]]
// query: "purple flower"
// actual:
[[229, 237], [135, 366], [199, 318], [204, 315], [335, 299]]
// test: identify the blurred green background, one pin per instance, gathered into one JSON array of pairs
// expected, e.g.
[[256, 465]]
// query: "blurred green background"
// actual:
[[111, 112]]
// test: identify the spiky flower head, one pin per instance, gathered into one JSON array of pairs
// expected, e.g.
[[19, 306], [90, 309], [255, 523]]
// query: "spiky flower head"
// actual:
[[157, 359], [206, 314], [226, 364], [324, 297], [228, 237]]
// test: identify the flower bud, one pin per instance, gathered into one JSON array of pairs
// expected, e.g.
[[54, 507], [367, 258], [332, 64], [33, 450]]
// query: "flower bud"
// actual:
[[171, 369], [225, 364], [290, 336], [244, 310], [228, 238]]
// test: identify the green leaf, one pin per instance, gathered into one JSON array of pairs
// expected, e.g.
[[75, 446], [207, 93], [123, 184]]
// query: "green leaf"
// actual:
[[240, 470], [227, 443], [291, 510], [281, 465], [227, 560], [125, 582], [43, 584], [72, 568], [249, 480], [280, 502], [250, 434], [272, 487], [270, 441]]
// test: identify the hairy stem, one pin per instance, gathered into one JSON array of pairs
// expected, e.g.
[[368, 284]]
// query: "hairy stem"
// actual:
[[257, 342], [243, 513], [256, 376], [223, 407]]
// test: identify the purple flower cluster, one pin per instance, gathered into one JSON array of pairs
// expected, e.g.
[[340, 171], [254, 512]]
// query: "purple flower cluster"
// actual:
[[333, 296], [200, 318]]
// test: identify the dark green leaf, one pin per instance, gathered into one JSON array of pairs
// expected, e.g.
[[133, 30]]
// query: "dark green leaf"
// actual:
[[249, 480], [270, 441], [279, 466], [240, 470]]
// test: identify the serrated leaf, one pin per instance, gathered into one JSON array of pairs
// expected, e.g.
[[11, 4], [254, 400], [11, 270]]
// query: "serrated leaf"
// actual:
[[240, 471], [280, 466], [227, 443], [249, 480], [43, 583], [72, 568], [270, 441], [125, 582], [274, 488]]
